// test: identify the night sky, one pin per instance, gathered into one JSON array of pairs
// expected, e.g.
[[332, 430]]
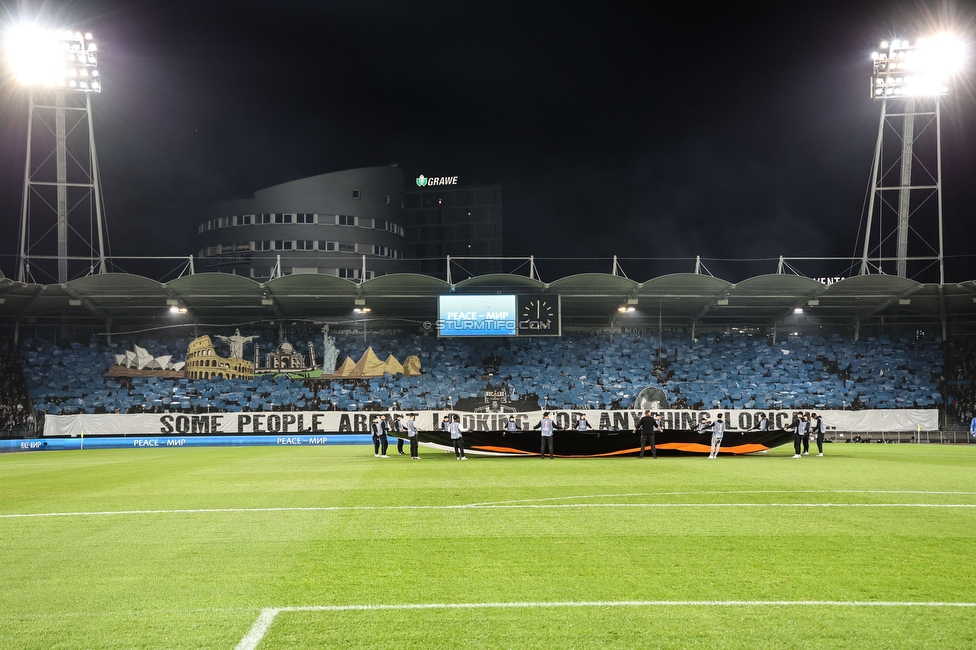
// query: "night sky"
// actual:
[[643, 130]]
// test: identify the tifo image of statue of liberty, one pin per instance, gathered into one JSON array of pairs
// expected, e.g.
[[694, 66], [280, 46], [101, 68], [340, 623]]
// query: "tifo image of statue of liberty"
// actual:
[[331, 354], [236, 343]]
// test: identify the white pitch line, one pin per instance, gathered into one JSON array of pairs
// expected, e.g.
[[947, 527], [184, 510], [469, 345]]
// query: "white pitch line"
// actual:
[[523, 506], [258, 630], [261, 626]]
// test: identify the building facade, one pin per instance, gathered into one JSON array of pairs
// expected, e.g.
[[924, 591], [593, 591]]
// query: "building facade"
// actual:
[[442, 217], [333, 224]]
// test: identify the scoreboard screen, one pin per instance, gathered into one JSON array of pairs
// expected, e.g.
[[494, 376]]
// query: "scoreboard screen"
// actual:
[[499, 315]]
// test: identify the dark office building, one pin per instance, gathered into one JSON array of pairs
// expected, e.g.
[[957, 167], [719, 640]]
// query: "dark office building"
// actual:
[[442, 217], [334, 224]]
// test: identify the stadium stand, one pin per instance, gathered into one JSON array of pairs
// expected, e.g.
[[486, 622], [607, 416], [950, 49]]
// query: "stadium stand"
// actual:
[[961, 379], [15, 408], [728, 370]]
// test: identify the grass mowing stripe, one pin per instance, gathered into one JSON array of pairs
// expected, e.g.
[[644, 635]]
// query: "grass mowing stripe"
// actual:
[[481, 507], [267, 616], [691, 492]]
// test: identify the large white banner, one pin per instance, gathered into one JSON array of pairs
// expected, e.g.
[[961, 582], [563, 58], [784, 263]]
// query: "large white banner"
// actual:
[[869, 421]]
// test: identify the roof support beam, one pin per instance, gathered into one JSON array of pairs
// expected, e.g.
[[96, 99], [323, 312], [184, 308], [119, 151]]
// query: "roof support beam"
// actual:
[[803, 302], [26, 307], [89, 305], [871, 311]]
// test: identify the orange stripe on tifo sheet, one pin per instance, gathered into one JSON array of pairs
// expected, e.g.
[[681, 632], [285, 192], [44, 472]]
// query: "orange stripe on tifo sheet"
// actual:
[[503, 450], [509, 450], [690, 447], [696, 448]]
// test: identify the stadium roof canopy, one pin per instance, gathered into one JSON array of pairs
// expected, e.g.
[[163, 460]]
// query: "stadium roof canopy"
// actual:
[[121, 301]]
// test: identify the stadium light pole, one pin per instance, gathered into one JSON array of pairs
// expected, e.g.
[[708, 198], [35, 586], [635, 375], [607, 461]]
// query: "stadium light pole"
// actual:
[[912, 79], [59, 65]]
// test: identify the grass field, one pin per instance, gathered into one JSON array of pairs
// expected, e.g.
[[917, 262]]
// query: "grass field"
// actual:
[[871, 546]]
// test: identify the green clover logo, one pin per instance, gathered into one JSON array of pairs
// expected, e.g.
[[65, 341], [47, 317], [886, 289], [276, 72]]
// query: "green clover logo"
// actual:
[[421, 180]]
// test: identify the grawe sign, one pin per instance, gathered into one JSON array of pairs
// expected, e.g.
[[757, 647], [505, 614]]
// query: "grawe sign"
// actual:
[[423, 181]]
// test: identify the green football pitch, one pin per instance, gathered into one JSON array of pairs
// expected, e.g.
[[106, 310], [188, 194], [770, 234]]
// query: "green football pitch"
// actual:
[[871, 546]]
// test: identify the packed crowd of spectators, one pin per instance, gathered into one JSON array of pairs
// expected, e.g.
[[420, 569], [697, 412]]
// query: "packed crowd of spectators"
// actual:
[[961, 379], [582, 371], [15, 410]]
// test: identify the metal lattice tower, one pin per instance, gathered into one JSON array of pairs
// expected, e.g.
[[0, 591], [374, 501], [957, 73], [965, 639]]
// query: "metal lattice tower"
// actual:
[[62, 230], [906, 180]]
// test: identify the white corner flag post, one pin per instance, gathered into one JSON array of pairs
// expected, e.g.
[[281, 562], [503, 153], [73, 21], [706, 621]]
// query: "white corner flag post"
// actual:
[[82, 438]]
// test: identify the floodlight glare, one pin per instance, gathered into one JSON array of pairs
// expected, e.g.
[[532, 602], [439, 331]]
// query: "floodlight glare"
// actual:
[[48, 57], [930, 63]]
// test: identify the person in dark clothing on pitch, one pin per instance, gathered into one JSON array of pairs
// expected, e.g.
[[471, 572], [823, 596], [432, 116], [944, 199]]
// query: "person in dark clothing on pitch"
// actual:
[[398, 427], [647, 427], [378, 428]]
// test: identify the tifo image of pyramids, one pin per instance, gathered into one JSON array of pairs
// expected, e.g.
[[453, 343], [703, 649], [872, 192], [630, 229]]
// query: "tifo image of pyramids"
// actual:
[[369, 365]]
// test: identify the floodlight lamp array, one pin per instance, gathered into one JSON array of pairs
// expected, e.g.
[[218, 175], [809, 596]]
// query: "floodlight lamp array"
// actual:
[[60, 59], [922, 69]]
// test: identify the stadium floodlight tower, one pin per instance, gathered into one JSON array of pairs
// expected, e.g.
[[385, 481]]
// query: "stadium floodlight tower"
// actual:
[[59, 67], [909, 80]]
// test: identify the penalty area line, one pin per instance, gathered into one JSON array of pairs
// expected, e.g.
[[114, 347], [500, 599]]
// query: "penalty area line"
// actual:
[[267, 616]]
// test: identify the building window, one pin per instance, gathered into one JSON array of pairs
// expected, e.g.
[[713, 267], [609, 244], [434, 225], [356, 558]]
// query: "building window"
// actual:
[[303, 217], [356, 194], [327, 245], [305, 245], [349, 274], [347, 248], [346, 220], [285, 245], [386, 199], [247, 219], [262, 245]]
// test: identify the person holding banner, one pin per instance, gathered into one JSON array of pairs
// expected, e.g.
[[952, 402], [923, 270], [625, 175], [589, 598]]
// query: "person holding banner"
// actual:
[[546, 427], [456, 430], [805, 424], [582, 424], [718, 432], [512, 424], [378, 428], [412, 434], [647, 427], [762, 424], [398, 427], [797, 426], [817, 427]]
